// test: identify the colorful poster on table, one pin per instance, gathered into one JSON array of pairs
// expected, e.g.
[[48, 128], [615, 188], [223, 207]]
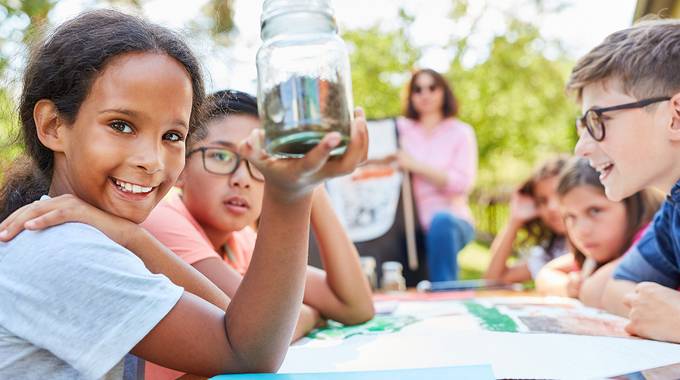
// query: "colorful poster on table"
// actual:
[[521, 337]]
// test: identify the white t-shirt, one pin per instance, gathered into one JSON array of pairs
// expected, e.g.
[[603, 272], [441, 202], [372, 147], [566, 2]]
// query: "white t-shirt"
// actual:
[[537, 256], [73, 303]]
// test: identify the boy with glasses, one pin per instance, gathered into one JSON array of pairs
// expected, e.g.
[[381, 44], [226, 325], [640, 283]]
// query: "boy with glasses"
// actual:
[[209, 225], [629, 91]]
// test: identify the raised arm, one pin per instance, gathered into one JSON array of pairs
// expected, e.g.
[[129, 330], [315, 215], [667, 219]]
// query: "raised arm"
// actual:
[[341, 292], [522, 209], [501, 249]]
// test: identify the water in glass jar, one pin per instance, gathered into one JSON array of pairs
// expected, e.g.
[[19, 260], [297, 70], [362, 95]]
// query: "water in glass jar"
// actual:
[[300, 111]]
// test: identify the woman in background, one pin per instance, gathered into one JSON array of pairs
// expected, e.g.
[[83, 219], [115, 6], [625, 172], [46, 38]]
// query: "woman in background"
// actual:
[[440, 152]]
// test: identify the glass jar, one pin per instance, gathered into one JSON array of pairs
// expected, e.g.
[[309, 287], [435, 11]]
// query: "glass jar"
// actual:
[[304, 86], [368, 268], [392, 277]]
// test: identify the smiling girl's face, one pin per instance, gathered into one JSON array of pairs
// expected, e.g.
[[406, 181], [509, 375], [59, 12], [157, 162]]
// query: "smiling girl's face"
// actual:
[[125, 149], [595, 225]]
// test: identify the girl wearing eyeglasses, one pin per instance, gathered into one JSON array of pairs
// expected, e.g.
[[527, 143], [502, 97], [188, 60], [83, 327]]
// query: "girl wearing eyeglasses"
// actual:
[[440, 153], [600, 232], [209, 224]]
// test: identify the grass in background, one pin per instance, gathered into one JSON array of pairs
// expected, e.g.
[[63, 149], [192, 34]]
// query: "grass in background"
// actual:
[[473, 260]]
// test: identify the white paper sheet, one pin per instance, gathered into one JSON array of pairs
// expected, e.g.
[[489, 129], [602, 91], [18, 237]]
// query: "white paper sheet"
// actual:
[[447, 338]]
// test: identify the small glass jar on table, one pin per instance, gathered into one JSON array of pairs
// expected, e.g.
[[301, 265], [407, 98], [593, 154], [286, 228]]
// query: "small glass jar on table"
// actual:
[[392, 277]]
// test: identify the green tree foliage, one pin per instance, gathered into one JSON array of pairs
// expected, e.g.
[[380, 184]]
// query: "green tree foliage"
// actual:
[[514, 98], [33, 14], [380, 63], [36, 11], [221, 13], [9, 148]]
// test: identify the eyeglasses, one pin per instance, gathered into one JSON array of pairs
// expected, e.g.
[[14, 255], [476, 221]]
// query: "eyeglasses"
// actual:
[[223, 161], [418, 89], [592, 120]]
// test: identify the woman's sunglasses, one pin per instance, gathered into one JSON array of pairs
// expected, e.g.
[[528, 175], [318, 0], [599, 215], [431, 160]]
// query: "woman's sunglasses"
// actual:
[[418, 89]]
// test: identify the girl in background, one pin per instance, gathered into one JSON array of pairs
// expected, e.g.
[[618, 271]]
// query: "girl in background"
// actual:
[[600, 232], [534, 213]]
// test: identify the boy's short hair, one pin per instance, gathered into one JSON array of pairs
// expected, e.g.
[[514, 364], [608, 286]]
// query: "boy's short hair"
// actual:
[[645, 57]]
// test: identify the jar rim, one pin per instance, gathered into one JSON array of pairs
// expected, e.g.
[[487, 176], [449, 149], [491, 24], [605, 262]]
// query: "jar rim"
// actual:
[[274, 8]]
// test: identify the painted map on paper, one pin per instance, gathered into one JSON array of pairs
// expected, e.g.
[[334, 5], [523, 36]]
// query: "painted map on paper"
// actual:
[[521, 337], [515, 315]]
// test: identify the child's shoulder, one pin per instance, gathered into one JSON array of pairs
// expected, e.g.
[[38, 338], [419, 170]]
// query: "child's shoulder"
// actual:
[[62, 234], [170, 219], [68, 241]]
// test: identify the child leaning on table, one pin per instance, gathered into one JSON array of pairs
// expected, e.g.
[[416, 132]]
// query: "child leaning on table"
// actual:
[[535, 211], [629, 91], [600, 232], [108, 102]]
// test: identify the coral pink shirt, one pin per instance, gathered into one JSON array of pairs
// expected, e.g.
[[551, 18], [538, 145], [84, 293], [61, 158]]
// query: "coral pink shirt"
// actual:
[[172, 224], [451, 147]]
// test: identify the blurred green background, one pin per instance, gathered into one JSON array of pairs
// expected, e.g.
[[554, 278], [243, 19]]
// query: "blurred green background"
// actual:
[[513, 95]]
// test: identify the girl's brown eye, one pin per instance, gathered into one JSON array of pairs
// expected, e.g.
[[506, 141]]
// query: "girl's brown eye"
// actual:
[[593, 211], [121, 126]]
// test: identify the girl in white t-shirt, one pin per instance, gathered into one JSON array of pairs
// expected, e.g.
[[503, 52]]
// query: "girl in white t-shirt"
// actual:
[[107, 104]]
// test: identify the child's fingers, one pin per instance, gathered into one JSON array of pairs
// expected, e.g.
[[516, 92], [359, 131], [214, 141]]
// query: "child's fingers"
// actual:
[[359, 133], [245, 148], [316, 158], [628, 299], [358, 146], [17, 213], [252, 147], [357, 149], [12, 229], [14, 223], [359, 113], [49, 219], [5, 225], [630, 329]]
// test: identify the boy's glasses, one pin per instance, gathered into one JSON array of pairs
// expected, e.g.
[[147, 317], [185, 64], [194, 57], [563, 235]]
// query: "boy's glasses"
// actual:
[[224, 161], [418, 89], [592, 120]]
